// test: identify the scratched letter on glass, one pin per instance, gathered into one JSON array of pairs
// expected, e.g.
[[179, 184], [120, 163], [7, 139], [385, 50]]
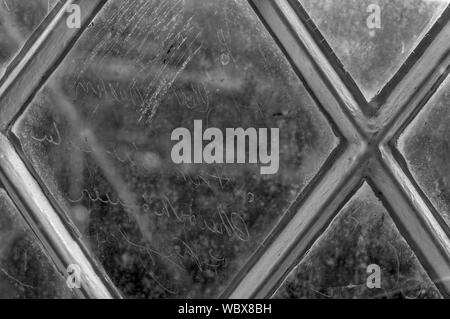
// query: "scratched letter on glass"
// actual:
[[98, 134]]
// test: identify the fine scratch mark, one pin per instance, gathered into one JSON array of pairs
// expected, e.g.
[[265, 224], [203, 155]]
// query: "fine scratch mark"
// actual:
[[153, 103], [15, 279]]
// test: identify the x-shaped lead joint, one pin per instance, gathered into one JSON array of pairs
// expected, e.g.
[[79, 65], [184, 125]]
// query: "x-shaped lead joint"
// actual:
[[367, 154]]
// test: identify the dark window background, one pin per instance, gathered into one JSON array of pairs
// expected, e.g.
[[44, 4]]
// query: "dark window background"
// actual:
[[98, 135]]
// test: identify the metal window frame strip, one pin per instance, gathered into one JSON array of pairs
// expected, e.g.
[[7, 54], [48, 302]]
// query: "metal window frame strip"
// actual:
[[26, 74]]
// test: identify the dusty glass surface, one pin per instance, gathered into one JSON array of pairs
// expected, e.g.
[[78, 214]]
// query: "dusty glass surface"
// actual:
[[425, 145], [99, 136], [18, 19], [25, 270], [372, 47], [362, 234]]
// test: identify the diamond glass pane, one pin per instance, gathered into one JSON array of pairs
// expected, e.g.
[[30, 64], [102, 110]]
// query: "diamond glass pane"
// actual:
[[373, 38], [25, 269], [425, 145], [362, 234], [18, 19], [99, 136]]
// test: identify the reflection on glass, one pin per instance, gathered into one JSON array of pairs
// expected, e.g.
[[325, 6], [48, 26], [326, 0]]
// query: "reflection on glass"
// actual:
[[373, 46], [337, 266], [425, 144], [18, 19], [99, 135], [25, 270]]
